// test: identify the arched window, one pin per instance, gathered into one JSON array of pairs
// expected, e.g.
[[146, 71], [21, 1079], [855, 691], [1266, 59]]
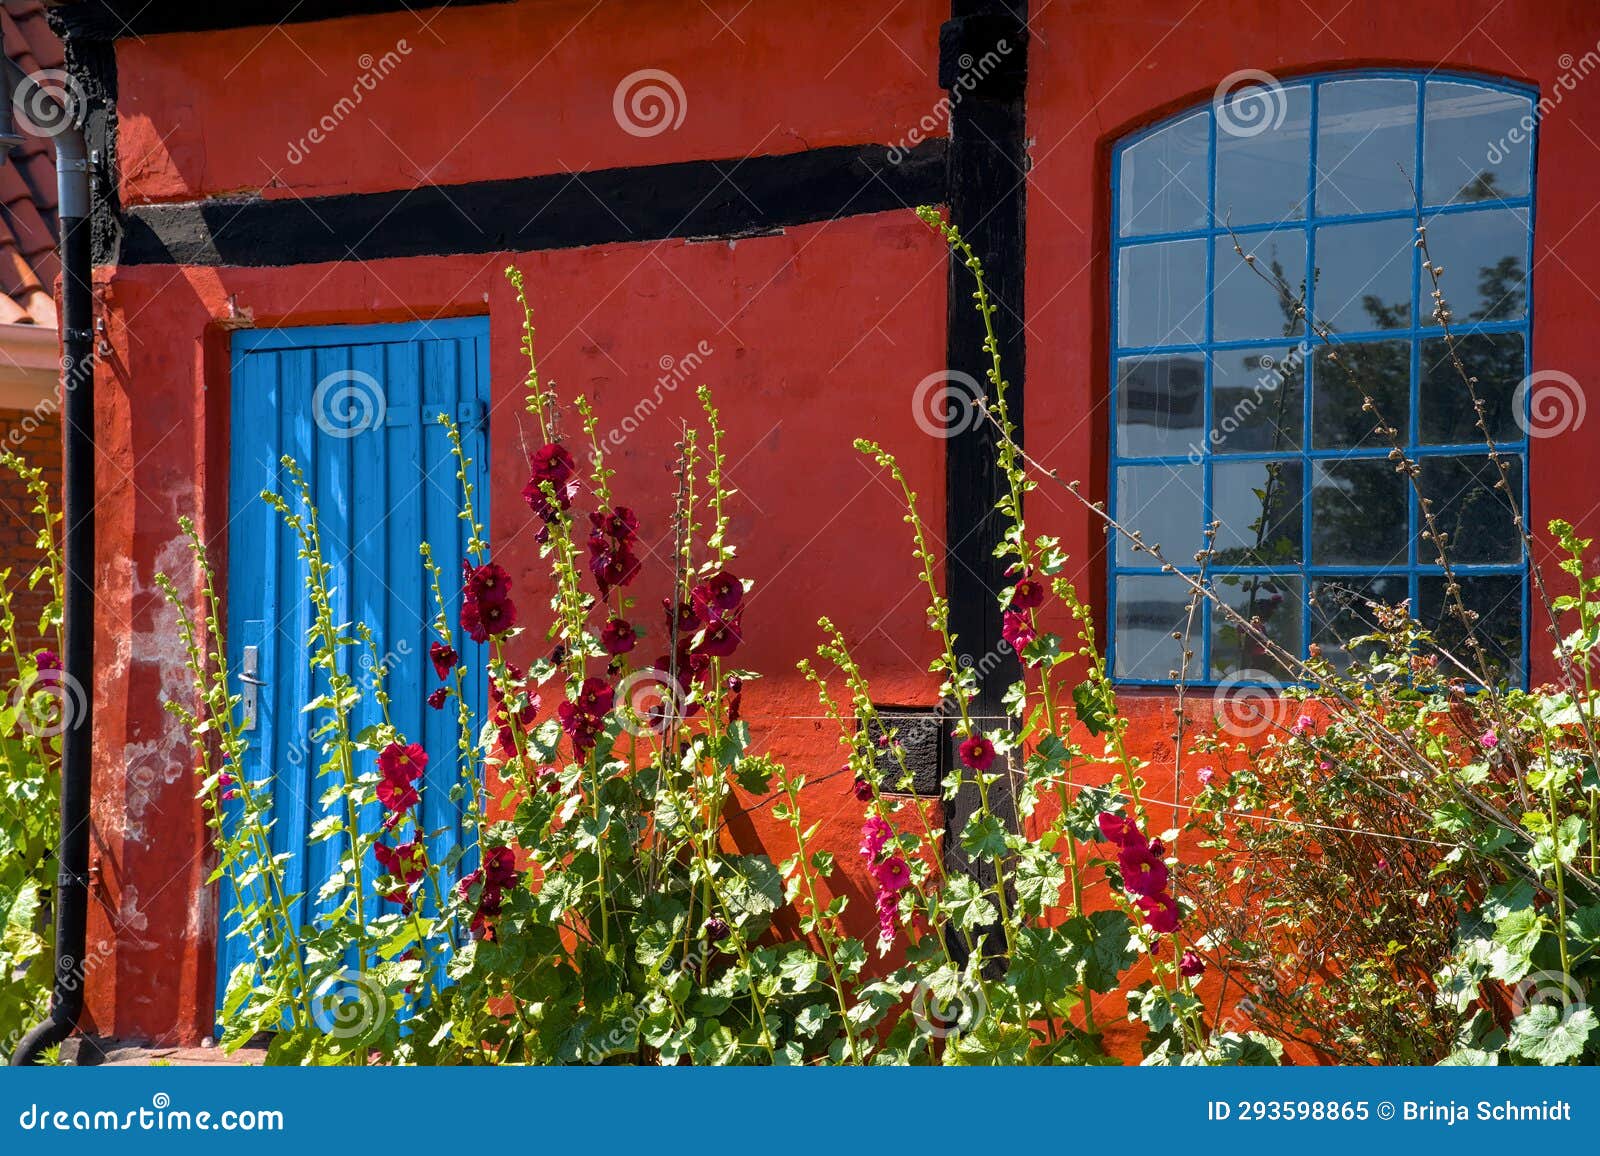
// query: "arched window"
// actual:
[[1224, 408]]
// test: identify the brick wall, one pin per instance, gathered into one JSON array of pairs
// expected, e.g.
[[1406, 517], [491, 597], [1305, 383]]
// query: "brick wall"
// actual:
[[39, 441]]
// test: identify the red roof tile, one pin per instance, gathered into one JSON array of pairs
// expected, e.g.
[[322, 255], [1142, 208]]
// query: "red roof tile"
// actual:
[[28, 263]]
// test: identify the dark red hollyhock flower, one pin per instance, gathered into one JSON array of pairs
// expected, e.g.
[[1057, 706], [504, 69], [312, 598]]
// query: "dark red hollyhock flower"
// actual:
[[612, 566], [583, 729], [489, 583], [444, 659], [1160, 912], [717, 596], [863, 789], [1028, 595], [618, 636], [1191, 965], [977, 753], [717, 930], [500, 868], [596, 696], [1016, 630], [46, 660], [682, 618], [486, 606], [734, 685], [721, 638], [550, 463], [621, 523], [437, 698], [405, 862], [403, 764]]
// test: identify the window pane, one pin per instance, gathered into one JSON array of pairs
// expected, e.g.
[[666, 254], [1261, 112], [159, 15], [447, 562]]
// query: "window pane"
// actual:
[[1258, 400], [1150, 608], [1275, 603], [1497, 600], [1262, 177], [1366, 145], [1380, 370], [1341, 611], [1358, 513], [1497, 361], [1468, 147], [1364, 275], [1161, 294], [1246, 304], [1258, 506], [1470, 508], [1161, 405], [1163, 180], [1164, 503], [1484, 256]]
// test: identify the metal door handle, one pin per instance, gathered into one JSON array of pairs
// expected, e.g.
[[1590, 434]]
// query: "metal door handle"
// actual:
[[250, 695]]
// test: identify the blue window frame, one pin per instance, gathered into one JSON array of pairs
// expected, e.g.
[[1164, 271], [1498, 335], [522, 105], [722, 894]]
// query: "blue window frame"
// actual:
[[1223, 410]]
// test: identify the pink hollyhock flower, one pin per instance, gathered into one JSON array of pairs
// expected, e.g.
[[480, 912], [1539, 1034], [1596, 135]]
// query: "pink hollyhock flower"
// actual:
[[1028, 595], [977, 753], [403, 764], [444, 659], [1160, 912], [46, 660], [1118, 829], [1016, 630], [226, 781], [618, 637], [1205, 775], [1489, 739], [1191, 965], [1143, 872], [892, 875], [437, 698], [1304, 725], [875, 834], [886, 904]]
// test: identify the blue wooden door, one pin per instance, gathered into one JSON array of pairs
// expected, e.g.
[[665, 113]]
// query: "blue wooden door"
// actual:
[[357, 407]]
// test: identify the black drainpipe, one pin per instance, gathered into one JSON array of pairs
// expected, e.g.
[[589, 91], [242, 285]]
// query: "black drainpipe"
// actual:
[[71, 904]]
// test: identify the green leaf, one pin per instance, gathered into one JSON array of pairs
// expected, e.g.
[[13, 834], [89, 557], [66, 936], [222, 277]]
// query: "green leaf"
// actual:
[[984, 837], [1089, 704], [1545, 1035]]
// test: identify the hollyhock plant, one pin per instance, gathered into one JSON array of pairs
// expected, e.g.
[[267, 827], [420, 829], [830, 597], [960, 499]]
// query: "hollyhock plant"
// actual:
[[1160, 912], [1017, 630], [1028, 594], [618, 636], [486, 606], [403, 763], [977, 753], [718, 596], [892, 874], [875, 833], [405, 863], [550, 465], [46, 660], [1191, 966], [444, 659]]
